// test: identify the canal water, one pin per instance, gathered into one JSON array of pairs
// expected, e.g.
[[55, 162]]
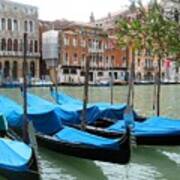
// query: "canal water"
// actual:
[[148, 163]]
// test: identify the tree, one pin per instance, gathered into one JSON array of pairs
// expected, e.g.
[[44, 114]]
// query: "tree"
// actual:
[[153, 31]]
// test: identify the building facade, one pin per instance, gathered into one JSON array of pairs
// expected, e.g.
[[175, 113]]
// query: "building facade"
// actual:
[[77, 42], [15, 20], [145, 64]]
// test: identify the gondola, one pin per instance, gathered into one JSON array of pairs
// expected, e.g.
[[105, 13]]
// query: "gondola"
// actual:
[[54, 136], [152, 131], [120, 154], [106, 113], [17, 160], [147, 131]]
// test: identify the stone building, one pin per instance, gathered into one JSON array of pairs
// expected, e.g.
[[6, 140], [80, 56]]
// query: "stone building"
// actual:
[[15, 20]]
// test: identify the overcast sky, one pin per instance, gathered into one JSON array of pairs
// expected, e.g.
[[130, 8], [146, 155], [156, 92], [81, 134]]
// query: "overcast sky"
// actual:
[[77, 10]]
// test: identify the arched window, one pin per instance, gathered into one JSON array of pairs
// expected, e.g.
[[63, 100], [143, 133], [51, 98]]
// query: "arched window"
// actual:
[[25, 26], [14, 70], [15, 45], [6, 69], [75, 56], [9, 46], [9, 24], [3, 44], [36, 46], [138, 76], [3, 24], [32, 69], [31, 26], [21, 45], [31, 46], [15, 25]]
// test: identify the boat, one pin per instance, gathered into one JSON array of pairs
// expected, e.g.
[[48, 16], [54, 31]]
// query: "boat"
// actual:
[[147, 131], [17, 160], [53, 135], [155, 130], [84, 145], [104, 114]]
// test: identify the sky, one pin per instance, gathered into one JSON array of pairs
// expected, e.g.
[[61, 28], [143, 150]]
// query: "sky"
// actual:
[[75, 10]]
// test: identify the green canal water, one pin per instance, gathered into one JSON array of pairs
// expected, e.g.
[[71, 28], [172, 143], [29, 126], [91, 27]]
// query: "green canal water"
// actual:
[[147, 163]]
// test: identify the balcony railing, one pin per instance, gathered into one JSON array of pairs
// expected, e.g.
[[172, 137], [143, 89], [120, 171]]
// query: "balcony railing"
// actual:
[[95, 50], [18, 54], [148, 68]]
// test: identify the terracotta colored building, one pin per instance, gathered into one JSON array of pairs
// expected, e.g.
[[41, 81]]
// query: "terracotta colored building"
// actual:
[[77, 42]]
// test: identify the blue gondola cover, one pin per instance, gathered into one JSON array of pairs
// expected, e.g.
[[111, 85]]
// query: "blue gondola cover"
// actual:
[[15, 155], [105, 110], [44, 117], [75, 136], [154, 126]]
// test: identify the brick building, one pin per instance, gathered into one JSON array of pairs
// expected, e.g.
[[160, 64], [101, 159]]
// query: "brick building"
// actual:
[[145, 64], [15, 20], [77, 42]]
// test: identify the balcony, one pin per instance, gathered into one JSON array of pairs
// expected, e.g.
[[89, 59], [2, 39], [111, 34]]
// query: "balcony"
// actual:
[[95, 50], [18, 54], [148, 68]]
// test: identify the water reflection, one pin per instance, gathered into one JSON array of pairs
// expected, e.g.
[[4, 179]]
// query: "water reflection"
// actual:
[[62, 166]]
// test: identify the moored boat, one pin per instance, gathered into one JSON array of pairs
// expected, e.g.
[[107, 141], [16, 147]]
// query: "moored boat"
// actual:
[[52, 135], [17, 160]]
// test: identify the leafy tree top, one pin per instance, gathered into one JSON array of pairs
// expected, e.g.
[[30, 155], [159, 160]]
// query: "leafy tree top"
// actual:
[[150, 29]]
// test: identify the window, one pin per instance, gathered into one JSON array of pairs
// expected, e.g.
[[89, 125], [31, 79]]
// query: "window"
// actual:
[[66, 57], [36, 46], [9, 46], [21, 45], [31, 46], [32, 69], [15, 25], [115, 75], [100, 45], [110, 74], [6, 69], [100, 73], [66, 41], [31, 26], [3, 44], [9, 24], [73, 71], [82, 73], [112, 61], [139, 61], [65, 71], [74, 42], [89, 43], [83, 43], [3, 24], [15, 70], [15, 45], [25, 26], [75, 56]]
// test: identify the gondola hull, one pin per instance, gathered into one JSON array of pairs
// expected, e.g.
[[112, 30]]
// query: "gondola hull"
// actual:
[[31, 174], [121, 156], [167, 140]]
